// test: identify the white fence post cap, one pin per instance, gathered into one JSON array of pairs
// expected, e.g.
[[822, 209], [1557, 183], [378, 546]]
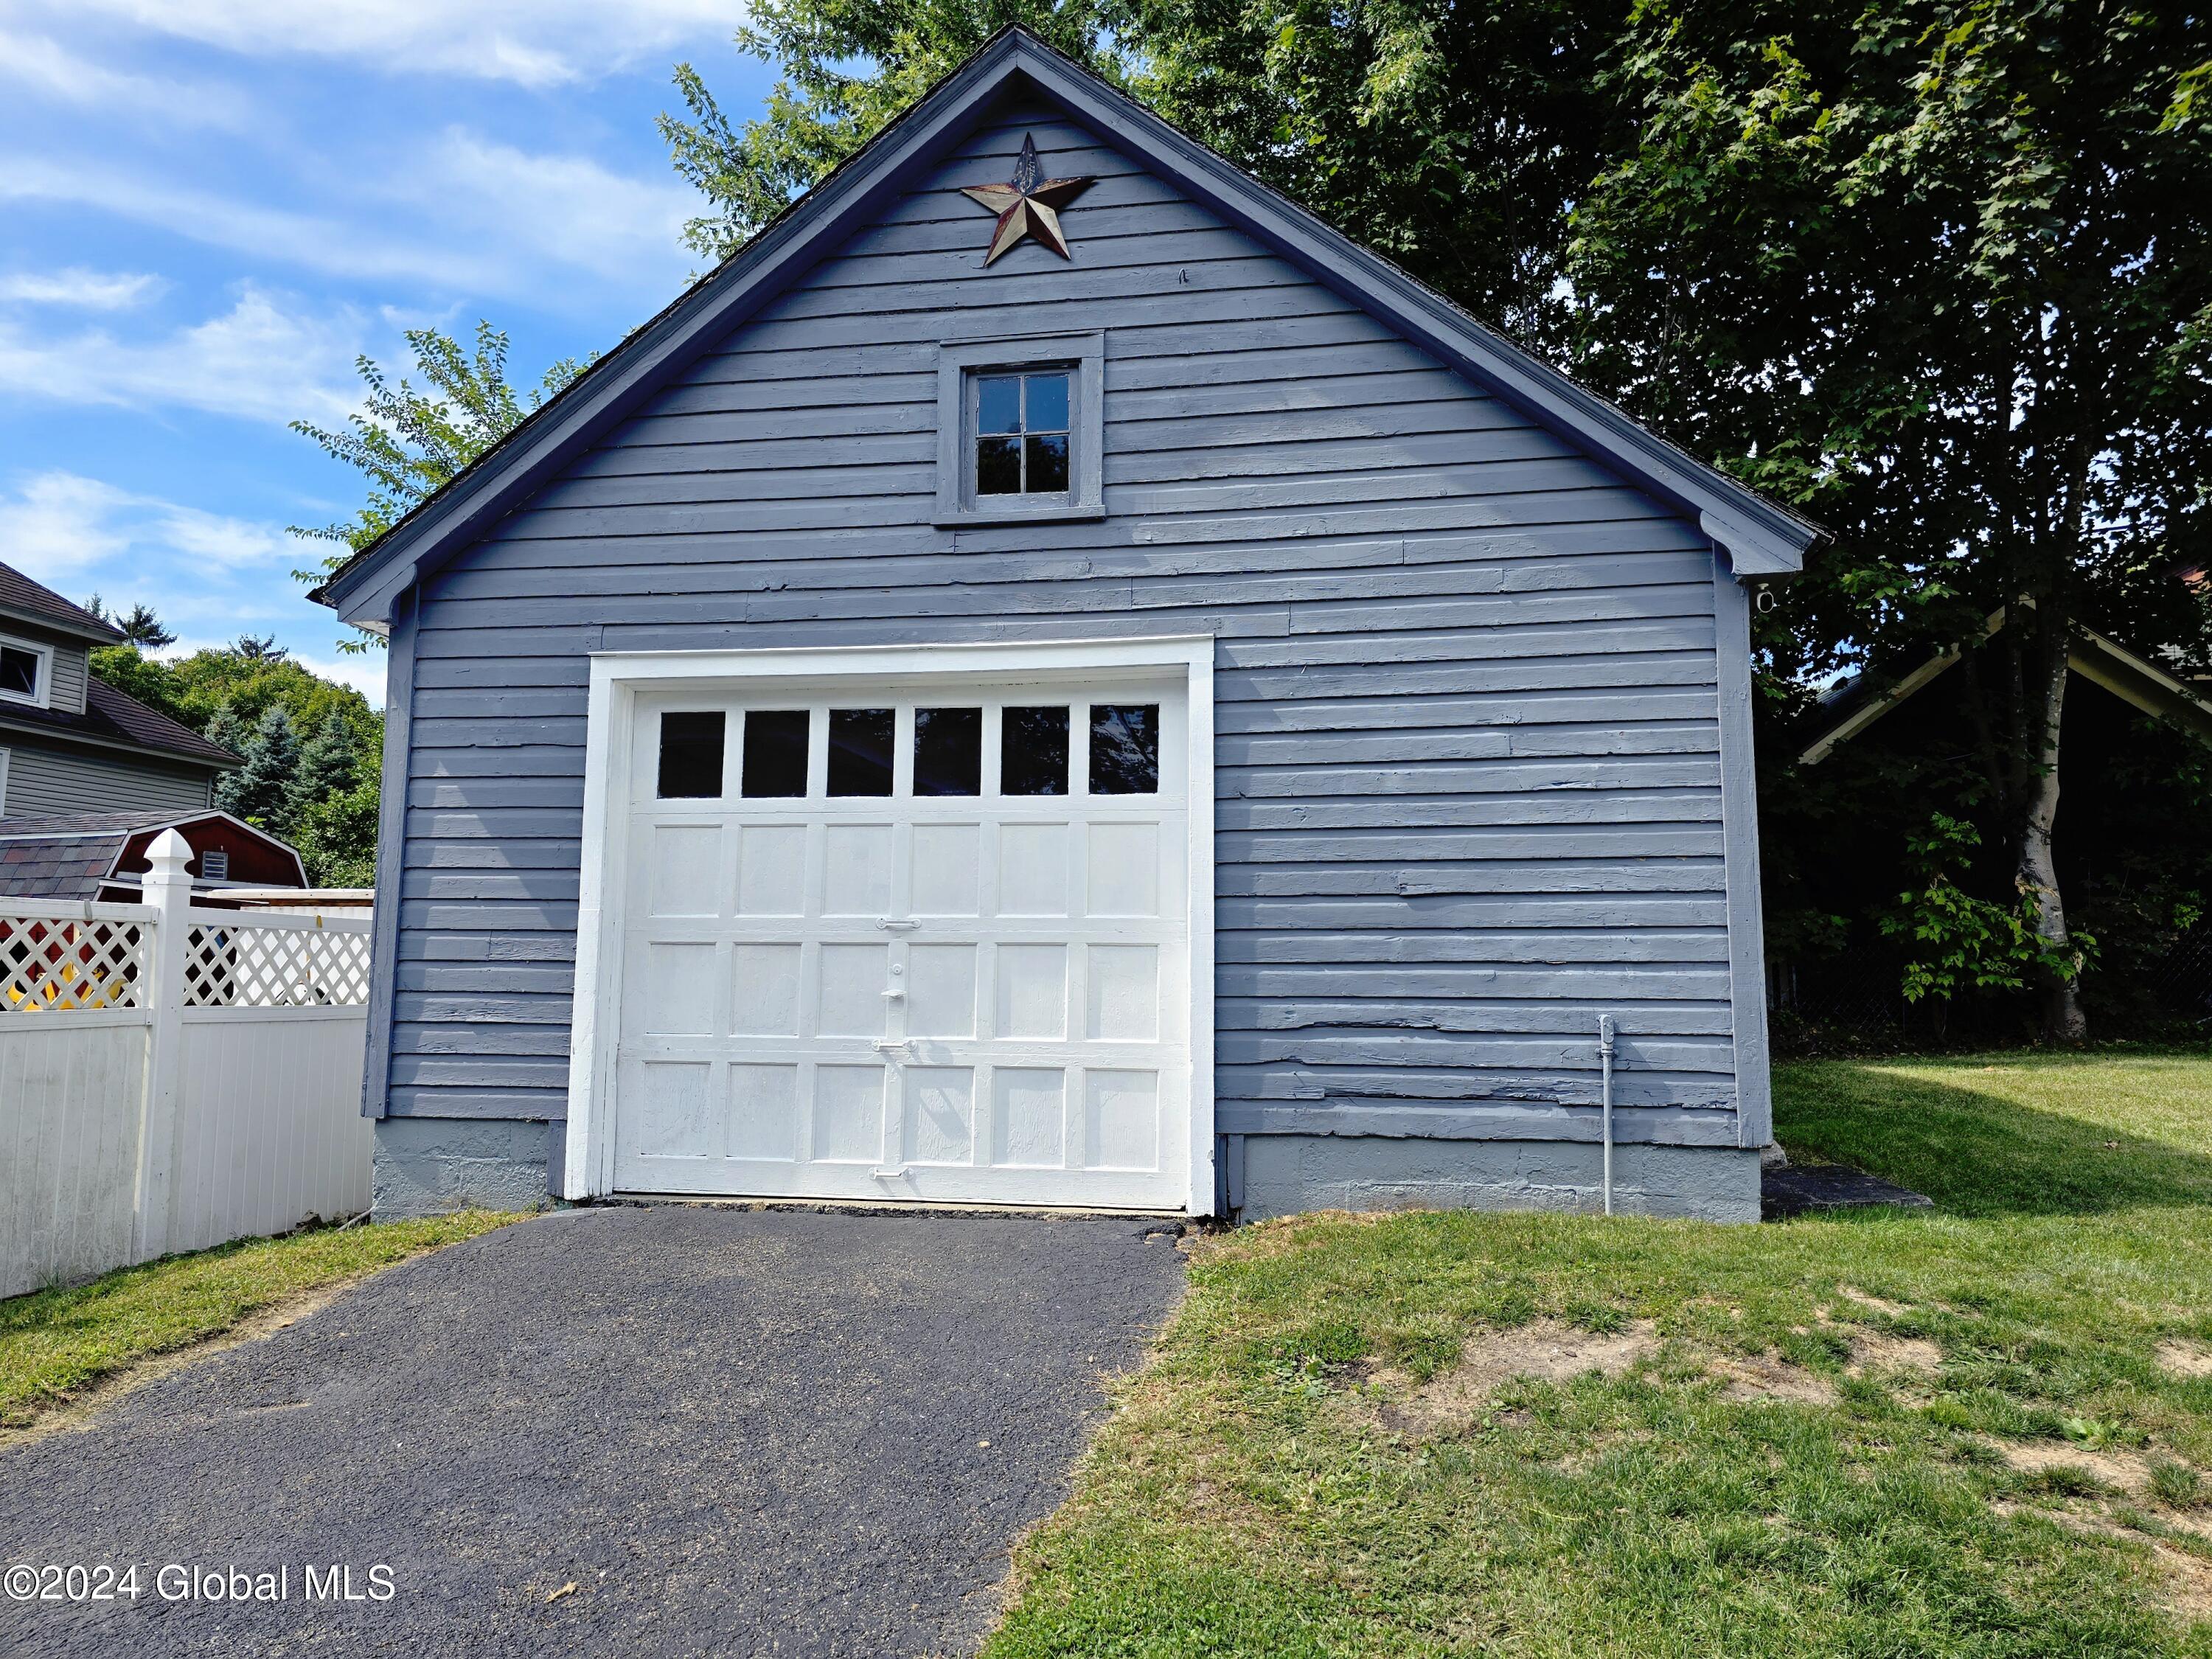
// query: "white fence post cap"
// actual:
[[170, 852]]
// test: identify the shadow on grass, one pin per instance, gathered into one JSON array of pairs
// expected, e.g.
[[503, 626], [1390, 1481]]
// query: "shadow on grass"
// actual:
[[1977, 1153]]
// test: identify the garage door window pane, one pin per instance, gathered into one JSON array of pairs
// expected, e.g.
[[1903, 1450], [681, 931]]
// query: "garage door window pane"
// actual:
[[1125, 749], [1033, 751], [690, 756], [775, 754], [948, 752], [861, 751]]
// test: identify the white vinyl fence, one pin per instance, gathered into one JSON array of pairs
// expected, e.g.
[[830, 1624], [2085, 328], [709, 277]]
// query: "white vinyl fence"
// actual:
[[172, 1077]]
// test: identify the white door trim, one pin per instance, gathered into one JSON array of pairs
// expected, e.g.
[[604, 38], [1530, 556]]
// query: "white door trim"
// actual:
[[618, 677]]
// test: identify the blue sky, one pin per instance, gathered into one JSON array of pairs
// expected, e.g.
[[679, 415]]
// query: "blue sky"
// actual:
[[211, 207]]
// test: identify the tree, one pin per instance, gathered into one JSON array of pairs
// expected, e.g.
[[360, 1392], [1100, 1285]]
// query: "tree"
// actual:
[[328, 765], [1936, 272], [411, 440], [337, 837], [191, 689], [225, 728], [139, 624], [260, 790]]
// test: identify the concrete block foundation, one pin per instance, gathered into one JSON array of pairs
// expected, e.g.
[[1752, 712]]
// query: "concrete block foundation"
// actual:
[[1285, 1173], [432, 1165]]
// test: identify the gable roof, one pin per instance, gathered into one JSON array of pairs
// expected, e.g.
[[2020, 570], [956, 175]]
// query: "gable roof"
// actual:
[[76, 856], [1759, 537], [1855, 703], [115, 720], [34, 602]]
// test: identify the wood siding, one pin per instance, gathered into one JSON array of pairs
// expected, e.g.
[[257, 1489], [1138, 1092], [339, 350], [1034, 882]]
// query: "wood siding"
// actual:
[[1467, 751], [42, 781]]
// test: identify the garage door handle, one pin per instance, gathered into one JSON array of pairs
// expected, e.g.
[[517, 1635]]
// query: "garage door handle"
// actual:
[[894, 993], [889, 926]]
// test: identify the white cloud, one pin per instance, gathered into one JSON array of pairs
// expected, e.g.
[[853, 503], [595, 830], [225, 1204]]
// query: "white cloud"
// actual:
[[46, 68], [257, 361], [534, 43], [315, 241], [464, 213], [58, 527], [88, 290], [566, 207]]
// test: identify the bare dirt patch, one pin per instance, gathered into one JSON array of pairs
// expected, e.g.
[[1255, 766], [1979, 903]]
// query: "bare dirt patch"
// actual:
[[1878, 1350], [1767, 1377], [2186, 1582], [2182, 1358], [1872, 1304], [1541, 1351], [2122, 1469]]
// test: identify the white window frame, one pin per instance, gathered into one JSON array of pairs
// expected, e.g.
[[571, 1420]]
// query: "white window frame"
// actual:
[[4, 753], [42, 692], [618, 677], [959, 364]]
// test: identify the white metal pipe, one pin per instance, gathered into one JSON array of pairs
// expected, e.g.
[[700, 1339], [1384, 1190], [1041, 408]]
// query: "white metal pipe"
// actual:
[[1605, 1067]]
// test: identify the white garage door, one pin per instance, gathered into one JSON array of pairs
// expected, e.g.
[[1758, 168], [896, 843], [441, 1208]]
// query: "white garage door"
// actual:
[[916, 944]]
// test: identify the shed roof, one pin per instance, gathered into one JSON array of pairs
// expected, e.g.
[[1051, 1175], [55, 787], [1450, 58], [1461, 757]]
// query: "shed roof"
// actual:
[[73, 855], [34, 602], [1858, 701], [1759, 537]]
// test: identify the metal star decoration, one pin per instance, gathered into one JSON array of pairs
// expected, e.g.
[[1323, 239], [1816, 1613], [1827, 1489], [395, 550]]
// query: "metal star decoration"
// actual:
[[1028, 205]]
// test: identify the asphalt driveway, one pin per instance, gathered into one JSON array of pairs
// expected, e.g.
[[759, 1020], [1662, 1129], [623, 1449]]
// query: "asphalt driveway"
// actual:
[[734, 1431]]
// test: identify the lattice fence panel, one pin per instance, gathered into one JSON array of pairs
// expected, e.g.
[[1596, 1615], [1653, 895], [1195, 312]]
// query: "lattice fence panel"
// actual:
[[273, 967], [48, 963]]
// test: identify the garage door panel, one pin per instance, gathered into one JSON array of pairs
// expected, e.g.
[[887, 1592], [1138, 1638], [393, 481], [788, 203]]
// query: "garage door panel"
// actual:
[[1123, 870], [1033, 869], [849, 1114], [856, 869], [956, 990], [765, 983], [1032, 991], [940, 1114], [772, 870], [945, 864], [853, 979]]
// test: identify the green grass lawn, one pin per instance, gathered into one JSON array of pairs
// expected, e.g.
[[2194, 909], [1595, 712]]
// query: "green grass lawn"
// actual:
[[1984, 1430], [54, 1344]]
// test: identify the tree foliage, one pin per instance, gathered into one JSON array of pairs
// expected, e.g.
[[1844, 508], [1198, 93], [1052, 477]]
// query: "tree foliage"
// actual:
[[139, 624], [409, 440], [231, 696]]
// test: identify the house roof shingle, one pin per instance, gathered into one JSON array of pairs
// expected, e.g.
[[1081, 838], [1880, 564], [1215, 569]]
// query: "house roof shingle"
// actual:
[[19, 596], [112, 716]]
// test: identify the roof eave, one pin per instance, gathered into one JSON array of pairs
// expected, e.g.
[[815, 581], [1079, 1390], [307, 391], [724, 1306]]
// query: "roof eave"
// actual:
[[1758, 537]]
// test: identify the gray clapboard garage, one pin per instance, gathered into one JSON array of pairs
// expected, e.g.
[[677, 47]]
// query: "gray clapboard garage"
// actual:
[[1051, 677]]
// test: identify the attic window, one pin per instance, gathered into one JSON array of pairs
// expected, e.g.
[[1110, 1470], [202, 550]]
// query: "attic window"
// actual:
[[1020, 425], [25, 672], [1021, 434], [215, 865]]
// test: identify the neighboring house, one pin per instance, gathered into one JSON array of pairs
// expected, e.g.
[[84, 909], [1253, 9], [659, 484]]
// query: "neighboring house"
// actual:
[[1198, 724], [69, 743], [1856, 702], [101, 856]]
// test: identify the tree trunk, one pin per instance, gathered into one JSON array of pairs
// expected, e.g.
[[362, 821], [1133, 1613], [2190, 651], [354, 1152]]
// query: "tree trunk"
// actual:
[[2044, 674]]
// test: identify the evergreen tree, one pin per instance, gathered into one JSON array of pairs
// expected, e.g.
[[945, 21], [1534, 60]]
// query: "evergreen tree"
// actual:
[[327, 764], [259, 791], [224, 727]]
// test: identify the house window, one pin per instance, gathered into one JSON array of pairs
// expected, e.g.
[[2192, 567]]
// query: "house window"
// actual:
[[1020, 430], [25, 672], [1021, 433]]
